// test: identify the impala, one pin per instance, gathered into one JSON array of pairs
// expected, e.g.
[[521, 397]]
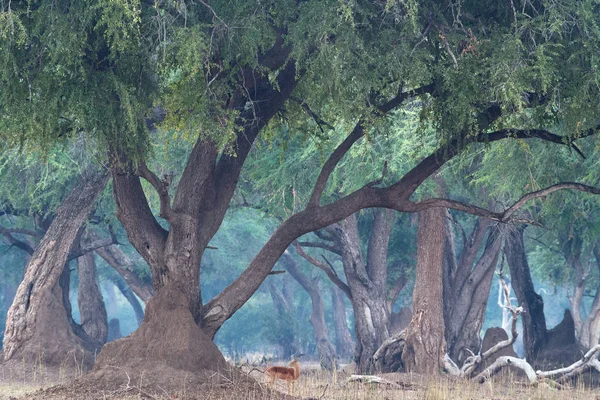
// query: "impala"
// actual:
[[289, 374]]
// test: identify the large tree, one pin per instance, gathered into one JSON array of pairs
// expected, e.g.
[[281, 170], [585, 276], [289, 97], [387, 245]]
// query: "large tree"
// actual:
[[484, 71]]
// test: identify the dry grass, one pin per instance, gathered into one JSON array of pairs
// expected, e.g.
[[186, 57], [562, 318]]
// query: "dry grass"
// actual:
[[315, 384]]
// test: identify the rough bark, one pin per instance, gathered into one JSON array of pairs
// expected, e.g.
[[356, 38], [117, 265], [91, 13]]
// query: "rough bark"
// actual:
[[343, 340], [367, 283], [534, 321], [93, 318], [327, 354], [425, 344], [39, 307]]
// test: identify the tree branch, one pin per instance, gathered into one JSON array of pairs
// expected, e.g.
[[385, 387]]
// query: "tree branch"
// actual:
[[507, 214], [324, 246], [331, 274], [315, 217], [161, 187], [133, 211], [95, 245], [331, 163], [397, 286], [318, 120], [357, 133], [8, 234], [121, 263]]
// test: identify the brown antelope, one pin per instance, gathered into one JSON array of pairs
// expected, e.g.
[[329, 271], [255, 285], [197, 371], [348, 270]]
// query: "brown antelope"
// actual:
[[289, 374]]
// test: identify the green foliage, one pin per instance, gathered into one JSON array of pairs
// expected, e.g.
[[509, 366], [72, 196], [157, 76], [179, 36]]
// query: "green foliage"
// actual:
[[72, 68], [36, 182]]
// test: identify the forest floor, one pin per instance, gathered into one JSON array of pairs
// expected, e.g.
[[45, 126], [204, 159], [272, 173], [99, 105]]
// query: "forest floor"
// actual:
[[313, 384]]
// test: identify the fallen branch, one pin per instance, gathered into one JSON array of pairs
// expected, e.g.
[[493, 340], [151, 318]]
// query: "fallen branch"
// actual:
[[372, 379], [591, 354], [503, 362], [589, 360]]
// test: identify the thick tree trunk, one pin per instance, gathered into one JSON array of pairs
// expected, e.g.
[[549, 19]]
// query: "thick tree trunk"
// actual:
[[343, 339], [425, 344], [327, 354], [93, 318], [534, 321], [39, 307], [367, 283]]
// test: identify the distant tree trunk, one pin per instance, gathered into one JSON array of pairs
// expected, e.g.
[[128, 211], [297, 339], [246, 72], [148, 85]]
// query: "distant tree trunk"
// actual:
[[132, 299], [10, 290], [343, 339], [65, 285], [534, 321], [39, 307], [284, 307], [590, 333], [111, 299], [425, 343], [92, 311], [114, 330], [121, 263], [467, 286], [325, 348]]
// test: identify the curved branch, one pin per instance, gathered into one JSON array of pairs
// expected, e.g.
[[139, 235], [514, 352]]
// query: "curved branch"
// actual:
[[326, 268], [357, 133], [315, 217], [331, 163], [505, 215], [95, 245], [324, 246], [162, 188], [7, 233]]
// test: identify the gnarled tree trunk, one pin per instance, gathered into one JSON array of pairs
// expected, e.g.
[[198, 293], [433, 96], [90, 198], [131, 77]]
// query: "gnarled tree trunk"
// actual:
[[367, 284], [534, 321], [425, 343], [93, 318], [325, 348], [39, 306]]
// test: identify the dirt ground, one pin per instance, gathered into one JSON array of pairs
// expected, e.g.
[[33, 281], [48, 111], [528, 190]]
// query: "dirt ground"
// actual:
[[313, 384]]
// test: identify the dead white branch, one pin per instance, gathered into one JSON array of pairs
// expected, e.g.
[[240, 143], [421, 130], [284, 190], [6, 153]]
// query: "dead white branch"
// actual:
[[506, 361], [372, 379], [589, 360], [589, 356]]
